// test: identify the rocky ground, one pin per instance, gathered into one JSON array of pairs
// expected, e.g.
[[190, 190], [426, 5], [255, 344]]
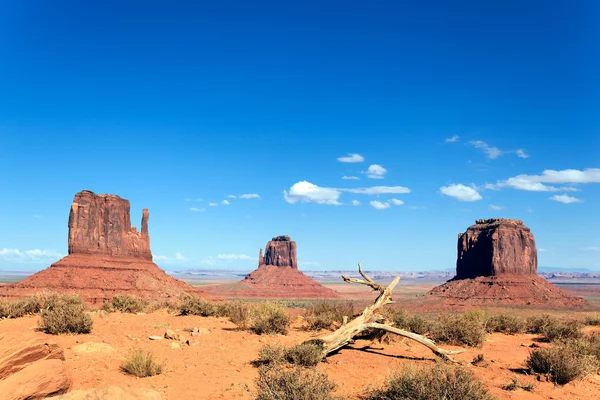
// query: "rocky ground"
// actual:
[[217, 362]]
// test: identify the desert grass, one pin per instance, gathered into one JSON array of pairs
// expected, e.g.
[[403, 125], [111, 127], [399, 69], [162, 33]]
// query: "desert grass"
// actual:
[[141, 364]]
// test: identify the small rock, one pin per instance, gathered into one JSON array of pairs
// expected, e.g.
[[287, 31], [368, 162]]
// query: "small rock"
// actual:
[[156, 338], [175, 345], [172, 335]]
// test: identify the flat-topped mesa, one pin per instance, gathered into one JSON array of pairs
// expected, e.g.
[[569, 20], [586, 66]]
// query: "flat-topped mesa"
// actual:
[[101, 224], [280, 252], [495, 247]]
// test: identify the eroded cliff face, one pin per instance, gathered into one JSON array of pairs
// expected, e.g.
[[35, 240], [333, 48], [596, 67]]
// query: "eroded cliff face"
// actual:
[[495, 247], [100, 224], [280, 252]]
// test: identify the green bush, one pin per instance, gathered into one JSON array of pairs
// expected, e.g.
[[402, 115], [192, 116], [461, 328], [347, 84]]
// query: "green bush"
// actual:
[[439, 382], [239, 313], [297, 383], [141, 364], [128, 304], [65, 314], [458, 330], [593, 320], [327, 315], [403, 320], [270, 318], [537, 324], [561, 363], [270, 355], [194, 305], [505, 323], [305, 354], [29, 306], [563, 331]]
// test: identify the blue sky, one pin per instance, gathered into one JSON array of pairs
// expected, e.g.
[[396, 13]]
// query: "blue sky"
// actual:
[[455, 112]]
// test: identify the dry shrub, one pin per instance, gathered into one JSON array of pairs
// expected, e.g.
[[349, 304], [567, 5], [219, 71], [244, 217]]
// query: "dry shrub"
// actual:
[[458, 330], [561, 363], [29, 306], [327, 315], [593, 320], [516, 384], [439, 382], [403, 320], [239, 313], [479, 361], [128, 304], [296, 383], [194, 305], [563, 331], [270, 355], [269, 318], [141, 364], [505, 323], [305, 354], [65, 314], [538, 323]]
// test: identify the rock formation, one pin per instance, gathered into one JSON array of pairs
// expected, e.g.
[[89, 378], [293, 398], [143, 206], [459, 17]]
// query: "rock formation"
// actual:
[[25, 365], [277, 276], [494, 247], [497, 263], [107, 256], [100, 224]]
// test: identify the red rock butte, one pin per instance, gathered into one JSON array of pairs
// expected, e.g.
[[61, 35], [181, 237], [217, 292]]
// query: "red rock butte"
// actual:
[[497, 264], [276, 277], [107, 256]]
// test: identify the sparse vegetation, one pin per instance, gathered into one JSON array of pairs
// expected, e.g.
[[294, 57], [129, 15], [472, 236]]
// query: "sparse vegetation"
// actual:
[[270, 355], [141, 364], [296, 383], [504, 323], [305, 354], [593, 320], [269, 318], [516, 384], [561, 363], [240, 314], [458, 330], [537, 324], [325, 315], [403, 320], [563, 331], [126, 304], [65, 314], [439, 382], [194, 305]]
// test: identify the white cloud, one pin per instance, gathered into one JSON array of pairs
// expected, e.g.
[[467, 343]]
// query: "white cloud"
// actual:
[[250, 196], [377, 190], [538, 183], [591, 248], [232, 196], [491, 152], [225, 203], [351, 158], [397, 202], [212, 204], [233, 257], [307, 192], [563, 198], [375, 171], [540, 249], [452, 139], [461, 192], [378, 205], [197, 199], [521, 153], [417, 207], [195, 209], [355, 203], [496, 208], [178, 258], [34, 255], [355, 178]]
